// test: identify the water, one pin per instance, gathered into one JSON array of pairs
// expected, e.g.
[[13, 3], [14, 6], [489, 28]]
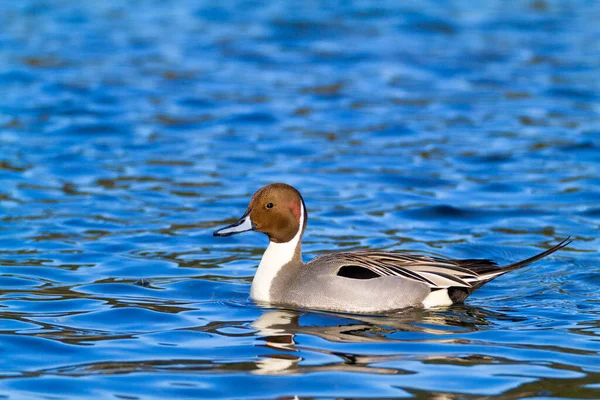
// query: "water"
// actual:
[[130, 130]]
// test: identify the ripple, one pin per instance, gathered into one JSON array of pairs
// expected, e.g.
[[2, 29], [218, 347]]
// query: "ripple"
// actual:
[[449, 129]]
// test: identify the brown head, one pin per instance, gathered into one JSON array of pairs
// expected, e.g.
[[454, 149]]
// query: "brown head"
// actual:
[[276, 210]]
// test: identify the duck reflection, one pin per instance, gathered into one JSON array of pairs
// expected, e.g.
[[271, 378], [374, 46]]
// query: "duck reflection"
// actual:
[[280, 328]]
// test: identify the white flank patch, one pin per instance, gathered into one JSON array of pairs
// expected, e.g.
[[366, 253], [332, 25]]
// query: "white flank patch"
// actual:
[[437, 298], [275, 257]]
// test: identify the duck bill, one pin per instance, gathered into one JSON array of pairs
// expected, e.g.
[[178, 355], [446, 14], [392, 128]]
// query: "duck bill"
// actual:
[[243, 224]]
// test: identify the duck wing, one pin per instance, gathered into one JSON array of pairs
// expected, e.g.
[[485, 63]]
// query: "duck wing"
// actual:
[[436, 272]]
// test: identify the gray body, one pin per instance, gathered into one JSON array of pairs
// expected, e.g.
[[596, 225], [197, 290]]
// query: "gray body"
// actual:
[[398, 280], [316, 285]]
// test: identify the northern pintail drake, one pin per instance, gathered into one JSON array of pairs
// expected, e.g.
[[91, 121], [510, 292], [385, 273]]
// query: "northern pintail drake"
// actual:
[[368, 281]]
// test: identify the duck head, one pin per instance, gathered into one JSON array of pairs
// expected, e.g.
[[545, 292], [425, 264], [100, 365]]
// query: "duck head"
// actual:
[[277, 210]]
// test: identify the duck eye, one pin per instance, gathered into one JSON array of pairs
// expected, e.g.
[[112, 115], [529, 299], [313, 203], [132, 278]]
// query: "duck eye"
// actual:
[[269, 205]]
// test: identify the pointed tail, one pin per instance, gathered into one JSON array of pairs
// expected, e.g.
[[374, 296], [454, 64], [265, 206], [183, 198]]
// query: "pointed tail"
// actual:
[[487, 276]]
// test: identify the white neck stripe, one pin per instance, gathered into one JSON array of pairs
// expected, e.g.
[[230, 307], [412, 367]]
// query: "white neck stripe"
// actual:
[[274, 258]]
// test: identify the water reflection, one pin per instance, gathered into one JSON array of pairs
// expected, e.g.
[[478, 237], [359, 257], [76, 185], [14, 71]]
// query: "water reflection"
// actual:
[[402, 346], [443, 127], [279, 329]]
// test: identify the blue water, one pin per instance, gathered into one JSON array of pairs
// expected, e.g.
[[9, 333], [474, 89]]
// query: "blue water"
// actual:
[[129, 131]]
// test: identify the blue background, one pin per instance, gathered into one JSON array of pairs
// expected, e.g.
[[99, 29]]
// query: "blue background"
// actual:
[[130, 130]]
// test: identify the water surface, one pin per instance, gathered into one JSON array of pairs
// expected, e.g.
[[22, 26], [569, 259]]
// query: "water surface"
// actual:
[[130, 130]]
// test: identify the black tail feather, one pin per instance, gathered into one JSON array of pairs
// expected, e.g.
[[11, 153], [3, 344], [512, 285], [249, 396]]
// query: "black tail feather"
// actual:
[[521, 264], [488, 271]]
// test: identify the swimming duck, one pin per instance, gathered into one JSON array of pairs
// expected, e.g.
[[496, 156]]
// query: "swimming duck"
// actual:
[[366, 281]]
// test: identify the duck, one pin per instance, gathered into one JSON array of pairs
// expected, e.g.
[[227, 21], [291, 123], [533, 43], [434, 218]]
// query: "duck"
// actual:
[[361, 281]]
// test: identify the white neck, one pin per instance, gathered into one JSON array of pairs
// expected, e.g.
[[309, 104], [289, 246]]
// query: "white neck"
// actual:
[[274, 258]]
